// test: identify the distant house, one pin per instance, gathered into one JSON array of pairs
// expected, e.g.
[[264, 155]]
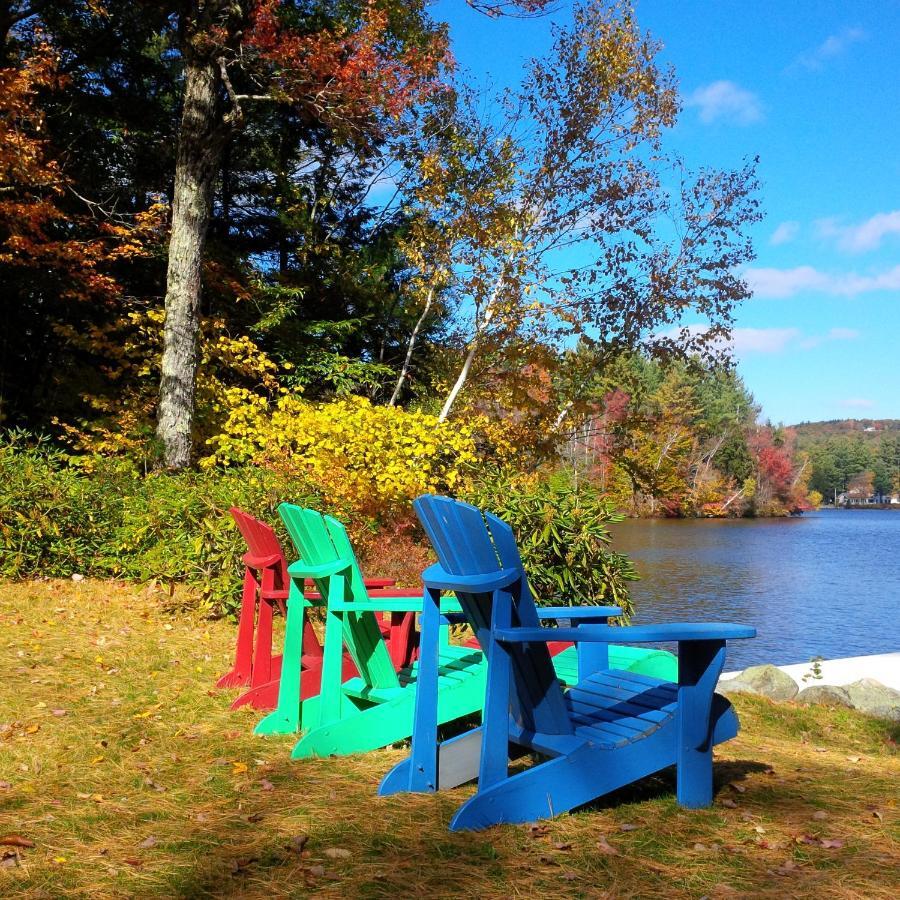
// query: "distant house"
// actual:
[[857, 497]]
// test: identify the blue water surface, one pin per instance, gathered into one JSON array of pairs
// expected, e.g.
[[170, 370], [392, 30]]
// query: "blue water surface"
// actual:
[[825, 584]]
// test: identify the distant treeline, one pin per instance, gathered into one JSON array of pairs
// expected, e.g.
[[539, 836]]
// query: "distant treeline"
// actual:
[[860, 455]]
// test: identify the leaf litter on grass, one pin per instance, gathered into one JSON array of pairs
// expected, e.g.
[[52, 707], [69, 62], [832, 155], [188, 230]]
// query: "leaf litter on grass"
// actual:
[[149, 785]]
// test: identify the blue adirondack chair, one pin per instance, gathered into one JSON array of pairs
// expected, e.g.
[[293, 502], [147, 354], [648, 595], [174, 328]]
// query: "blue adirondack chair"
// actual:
[[608, 730]]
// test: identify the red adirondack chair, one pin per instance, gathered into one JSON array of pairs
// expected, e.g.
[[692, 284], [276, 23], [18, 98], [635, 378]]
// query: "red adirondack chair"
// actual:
[[265, 587]]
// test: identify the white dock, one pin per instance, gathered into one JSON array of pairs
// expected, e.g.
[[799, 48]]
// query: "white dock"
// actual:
[[884, 667]]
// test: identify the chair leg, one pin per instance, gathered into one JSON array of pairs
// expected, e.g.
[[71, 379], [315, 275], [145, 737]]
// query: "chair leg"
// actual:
[[286, 716], [423, 775], [242, 670], [699, 665], [262, 657]]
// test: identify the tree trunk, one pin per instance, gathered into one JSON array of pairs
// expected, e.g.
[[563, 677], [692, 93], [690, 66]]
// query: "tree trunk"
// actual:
[[200, 146], [409, 349], [461, 379]]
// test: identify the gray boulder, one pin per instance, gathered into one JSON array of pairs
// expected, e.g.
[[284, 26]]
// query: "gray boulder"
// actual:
[[766, 681], [825, 695], [876, 699]]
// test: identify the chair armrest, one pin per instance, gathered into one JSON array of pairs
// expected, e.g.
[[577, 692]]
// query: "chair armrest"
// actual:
[[436, 578], [376, 603], [637, 634], [261, 562], [301, 569], [584, 613]]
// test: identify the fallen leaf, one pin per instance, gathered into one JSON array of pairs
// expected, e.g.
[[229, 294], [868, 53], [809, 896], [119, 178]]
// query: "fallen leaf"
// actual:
[[147, 843], [255, 817], [740, 788], [569, 876], [154, 784], [238, 865], [238, 768], [9, 860], [535, 830], [820, 814], [604, 847], [789, 867], [771, 845], [133, 861], [15, 840], [337, 853], [562, 846], [729, 803], [298, 842], [5, 786], [547, 860], [832, 844], [318, 871], [878, 814], [33, 729], [266, 785], [820, 749], [854, 759], [628, 827], [59, 712]]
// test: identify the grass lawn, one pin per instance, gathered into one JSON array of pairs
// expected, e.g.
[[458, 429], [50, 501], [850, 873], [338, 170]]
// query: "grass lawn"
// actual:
[[131, 777]]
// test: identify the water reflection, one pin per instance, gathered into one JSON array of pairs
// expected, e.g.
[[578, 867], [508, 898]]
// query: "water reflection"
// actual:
[[826, 584]]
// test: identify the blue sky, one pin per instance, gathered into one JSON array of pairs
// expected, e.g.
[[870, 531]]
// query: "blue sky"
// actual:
[[813, 88]]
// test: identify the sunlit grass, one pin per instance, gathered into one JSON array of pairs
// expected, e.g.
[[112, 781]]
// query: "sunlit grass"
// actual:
[[132, 778]]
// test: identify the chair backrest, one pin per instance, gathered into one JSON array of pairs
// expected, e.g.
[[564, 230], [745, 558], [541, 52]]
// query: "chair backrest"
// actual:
[[320, 540], [261, 542], [470, 542]]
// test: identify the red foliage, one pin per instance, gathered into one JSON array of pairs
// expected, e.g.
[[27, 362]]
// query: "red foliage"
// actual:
[[394, 552], [342, 77]]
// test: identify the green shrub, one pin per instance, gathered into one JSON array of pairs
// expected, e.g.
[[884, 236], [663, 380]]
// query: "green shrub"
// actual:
[[105, 519], [562, 534]]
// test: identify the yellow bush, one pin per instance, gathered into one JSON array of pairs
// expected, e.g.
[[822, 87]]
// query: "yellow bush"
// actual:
[[361, 456]]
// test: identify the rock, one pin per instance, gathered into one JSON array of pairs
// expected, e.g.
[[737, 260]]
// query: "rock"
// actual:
[[876, 699], [766, 681], [826, 695]]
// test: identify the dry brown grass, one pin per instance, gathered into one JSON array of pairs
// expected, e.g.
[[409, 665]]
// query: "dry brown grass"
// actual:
[[142, 783]]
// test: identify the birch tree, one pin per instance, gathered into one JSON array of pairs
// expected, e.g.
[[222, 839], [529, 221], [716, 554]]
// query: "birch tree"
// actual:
[[599, 230]]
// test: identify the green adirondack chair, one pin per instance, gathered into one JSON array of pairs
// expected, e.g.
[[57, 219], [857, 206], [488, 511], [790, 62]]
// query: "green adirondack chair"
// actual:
[[376, 708]]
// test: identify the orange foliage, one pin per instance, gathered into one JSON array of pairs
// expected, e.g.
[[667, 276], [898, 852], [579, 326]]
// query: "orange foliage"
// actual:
[[35, 231]]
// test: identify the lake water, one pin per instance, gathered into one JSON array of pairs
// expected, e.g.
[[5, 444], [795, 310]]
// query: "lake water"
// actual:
[[825, 584]]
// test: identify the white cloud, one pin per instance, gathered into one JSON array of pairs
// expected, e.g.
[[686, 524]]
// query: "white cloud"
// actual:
[[857, 403], [834, 334], [768, 340], [834, 45], [762, 340], [727, 101], [789, 282], [867, 235], [784, 233]]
